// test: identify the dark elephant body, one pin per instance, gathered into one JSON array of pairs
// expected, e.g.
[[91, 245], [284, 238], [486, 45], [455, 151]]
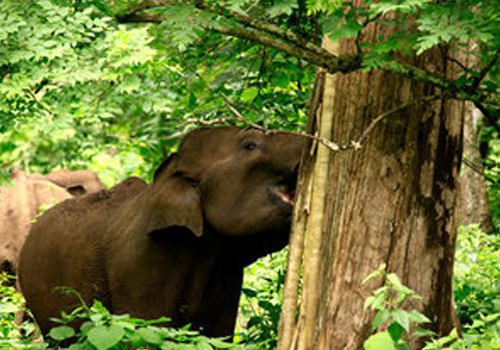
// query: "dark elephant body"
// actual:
[[176, 247], [24, 199]]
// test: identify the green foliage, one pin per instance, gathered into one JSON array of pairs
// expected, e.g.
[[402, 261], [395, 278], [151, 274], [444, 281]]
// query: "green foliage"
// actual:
[[483, 334], [477, 275], [15, 334], [260, 307], [437, 23], [490, 141], [101, 330], [476, 295], [401, 325], [79, 90]]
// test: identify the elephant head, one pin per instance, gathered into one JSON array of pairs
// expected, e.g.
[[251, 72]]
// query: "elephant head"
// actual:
[[237, 182], [76, 182], [175, 247]]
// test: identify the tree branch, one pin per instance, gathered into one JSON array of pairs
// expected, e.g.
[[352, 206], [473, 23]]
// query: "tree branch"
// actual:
[[287, 35], [332, 146], [288, 42], [343, 64], [486, 69], [458, 63], [478, 169], [491, 119], [384, 115], [140, 18], [146, 5], [42, 105]]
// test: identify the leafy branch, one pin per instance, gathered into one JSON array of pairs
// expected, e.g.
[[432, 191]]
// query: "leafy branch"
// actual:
[[249, 28], [270, 35]]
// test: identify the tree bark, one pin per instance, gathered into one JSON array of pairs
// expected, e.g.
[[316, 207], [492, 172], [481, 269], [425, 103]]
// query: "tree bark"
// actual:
[[393, 201], [473, 202]]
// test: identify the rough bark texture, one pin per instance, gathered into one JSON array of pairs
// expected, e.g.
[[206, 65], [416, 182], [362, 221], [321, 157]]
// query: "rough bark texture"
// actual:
[[473, 203], [393, 201]]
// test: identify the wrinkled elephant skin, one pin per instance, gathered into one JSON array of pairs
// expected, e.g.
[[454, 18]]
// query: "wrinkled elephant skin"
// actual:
[[175, 247]]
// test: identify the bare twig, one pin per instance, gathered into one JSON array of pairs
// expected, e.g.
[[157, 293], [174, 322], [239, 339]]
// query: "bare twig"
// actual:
[[491, 119], [240, 117], [458, 63], [327, 143], [40, 103], [207, 122], [367, 21], [478, 169], [486, 69], [375, 121], [253, 5]]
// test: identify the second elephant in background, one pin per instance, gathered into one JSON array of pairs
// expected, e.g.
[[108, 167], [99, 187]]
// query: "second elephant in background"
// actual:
[[26, 197]]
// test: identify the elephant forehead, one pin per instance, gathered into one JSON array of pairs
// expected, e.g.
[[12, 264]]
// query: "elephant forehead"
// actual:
[[287, 140], [203, 146], [206, 147]]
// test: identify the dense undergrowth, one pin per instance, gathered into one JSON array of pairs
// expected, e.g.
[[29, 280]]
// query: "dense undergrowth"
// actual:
[[477, 297]]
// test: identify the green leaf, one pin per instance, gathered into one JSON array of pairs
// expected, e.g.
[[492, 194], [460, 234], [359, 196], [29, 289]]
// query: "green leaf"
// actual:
[[83, 346], [61, 333], [375, 273], [418, 317], [150, 336], [396, 331], [249, 292], [422, 332], [381, 317], [203, 344], [369, 301], [221, 344], [402, 317], [249, 94], [394, 281], [192, 100], [379, 341], [379, 298], [104, 337]]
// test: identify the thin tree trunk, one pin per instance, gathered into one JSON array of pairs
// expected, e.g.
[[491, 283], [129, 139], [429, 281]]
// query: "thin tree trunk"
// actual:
[[309, 218], [473, 202], [393, 201]]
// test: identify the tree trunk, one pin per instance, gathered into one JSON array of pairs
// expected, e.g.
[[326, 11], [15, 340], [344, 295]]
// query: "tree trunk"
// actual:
[[391, 201], [473, 203]]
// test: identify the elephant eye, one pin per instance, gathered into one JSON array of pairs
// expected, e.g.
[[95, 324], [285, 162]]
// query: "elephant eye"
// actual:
[[186, 178], [250, 146]]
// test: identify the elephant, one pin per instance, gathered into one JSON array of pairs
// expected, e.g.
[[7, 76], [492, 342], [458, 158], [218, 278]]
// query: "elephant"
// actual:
[[21, 202], [175, 247]]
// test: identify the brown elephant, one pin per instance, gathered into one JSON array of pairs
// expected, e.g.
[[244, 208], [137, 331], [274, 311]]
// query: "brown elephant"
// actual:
[[22, 200], [176, 247]]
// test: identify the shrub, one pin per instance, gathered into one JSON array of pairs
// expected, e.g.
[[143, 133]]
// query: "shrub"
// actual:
[[477, 274]]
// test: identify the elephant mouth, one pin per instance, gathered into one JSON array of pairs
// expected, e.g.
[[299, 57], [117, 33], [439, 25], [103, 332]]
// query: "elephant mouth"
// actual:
[[286, 194], [282, 196]]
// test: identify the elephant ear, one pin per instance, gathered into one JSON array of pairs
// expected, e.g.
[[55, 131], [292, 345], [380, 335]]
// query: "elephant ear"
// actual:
[[174, 204]]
